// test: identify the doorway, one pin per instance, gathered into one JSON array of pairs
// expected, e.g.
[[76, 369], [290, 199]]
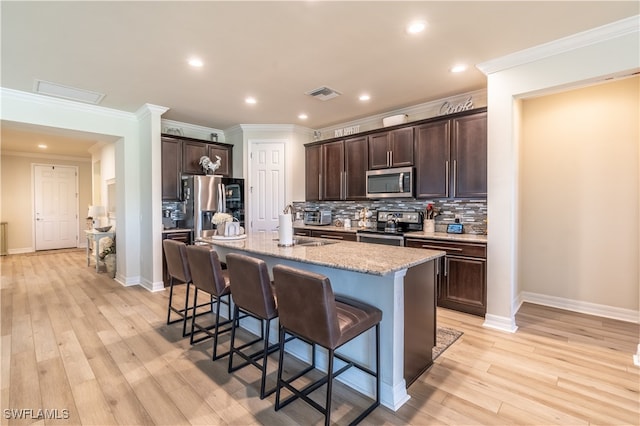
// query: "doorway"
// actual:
[[55, 204], [267, 191]]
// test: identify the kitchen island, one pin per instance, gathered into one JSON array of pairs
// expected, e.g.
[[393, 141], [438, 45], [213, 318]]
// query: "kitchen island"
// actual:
[[399, 281]]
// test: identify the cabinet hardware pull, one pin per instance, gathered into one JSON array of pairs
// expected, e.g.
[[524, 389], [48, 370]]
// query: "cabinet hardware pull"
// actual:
[[446, 178], [455, 178], [333, 237], [441, 247], [390, 158], [341, 185], [320, 186], [446, 267]]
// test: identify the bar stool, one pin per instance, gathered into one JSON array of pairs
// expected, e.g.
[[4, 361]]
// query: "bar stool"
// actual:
[[207, 275], [178, 268], [309, 311], [252, 294]]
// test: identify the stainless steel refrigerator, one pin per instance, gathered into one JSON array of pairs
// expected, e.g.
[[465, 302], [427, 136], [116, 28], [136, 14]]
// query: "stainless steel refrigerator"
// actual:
[[204, 196]]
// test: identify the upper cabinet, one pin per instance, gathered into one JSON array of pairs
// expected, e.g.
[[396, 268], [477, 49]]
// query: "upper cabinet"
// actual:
[[392, 148], [451, 157], [171, 168], [336, 170], [182, 155]]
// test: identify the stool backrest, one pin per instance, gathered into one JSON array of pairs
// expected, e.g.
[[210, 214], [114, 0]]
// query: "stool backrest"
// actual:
[[206, 271], [307, 305], [251, 286], [175, 252]]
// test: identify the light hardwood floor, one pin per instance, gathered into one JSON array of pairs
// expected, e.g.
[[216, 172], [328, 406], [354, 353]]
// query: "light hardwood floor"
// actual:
[[78, 341]]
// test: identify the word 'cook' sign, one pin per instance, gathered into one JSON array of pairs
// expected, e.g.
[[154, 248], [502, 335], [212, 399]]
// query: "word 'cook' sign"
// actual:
[[449, 108]]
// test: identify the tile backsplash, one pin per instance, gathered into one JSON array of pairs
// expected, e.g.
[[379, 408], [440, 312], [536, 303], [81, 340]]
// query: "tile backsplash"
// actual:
[[472, 213]]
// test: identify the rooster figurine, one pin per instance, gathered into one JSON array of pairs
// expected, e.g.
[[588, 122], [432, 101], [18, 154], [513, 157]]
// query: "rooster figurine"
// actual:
[[208, 165]]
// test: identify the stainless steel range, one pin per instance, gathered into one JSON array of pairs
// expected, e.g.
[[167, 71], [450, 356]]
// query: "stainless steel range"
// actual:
[[391, 227]]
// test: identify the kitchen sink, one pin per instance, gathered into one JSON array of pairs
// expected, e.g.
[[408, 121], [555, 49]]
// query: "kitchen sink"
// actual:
[[310, 242]]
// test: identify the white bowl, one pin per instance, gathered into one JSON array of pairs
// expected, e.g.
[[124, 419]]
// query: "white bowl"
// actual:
[[394, 120]]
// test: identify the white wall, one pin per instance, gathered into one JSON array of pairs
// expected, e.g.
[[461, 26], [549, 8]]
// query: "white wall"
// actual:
[[124, 127], [570, 62], [578, 212]]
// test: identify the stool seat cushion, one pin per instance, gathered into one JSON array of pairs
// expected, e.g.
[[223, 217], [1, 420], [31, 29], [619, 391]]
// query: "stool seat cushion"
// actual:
[[206, 272], [354, 317]]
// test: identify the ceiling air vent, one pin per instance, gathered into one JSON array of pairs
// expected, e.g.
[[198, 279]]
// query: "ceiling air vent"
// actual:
[[66, 92], [323, 93]]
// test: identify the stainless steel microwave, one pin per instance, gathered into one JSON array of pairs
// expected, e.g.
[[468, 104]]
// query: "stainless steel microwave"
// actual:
[[390, 183]]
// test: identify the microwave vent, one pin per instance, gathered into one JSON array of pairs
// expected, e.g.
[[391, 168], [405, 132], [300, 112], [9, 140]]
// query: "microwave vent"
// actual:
[[323, 93]]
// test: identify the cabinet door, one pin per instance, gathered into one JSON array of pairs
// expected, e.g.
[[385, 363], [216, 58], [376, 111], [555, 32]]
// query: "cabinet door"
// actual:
[[432, 149], [333, 170], [312, 173], [401, 147], [379, 151], [355, 168], [464, 285], [469, 153], [171, 168], [225, 159], [191, 154], [334, 235]]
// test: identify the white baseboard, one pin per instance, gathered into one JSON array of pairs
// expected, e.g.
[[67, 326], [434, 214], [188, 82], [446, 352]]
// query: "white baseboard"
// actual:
[[636, 357], [589, 308], [151, 286], [500, 323], [22, 250]]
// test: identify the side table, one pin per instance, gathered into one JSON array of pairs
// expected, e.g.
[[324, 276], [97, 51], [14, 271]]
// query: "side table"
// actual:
[[94, 236]]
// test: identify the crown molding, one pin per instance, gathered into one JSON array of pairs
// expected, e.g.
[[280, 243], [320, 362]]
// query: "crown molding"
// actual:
[[48, 101], [583, 39], [149, 109], [36, 155], [192, 129]]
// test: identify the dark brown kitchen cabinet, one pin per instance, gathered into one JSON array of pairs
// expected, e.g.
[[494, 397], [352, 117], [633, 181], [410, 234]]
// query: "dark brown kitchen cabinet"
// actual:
[[451, 157], [336, 170], [334, 235], [393, 148], [313, 177], [193, 150], [460, 275], [226, 159], [300, 232], [433, 156], [469, 155], [171, 168]]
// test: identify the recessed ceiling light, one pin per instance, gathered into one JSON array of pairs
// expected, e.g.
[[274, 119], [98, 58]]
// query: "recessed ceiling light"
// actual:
[[416, 27], [196, 62], [364, 97], [42, 146], [459, 68], [251, 100], [303, 116]]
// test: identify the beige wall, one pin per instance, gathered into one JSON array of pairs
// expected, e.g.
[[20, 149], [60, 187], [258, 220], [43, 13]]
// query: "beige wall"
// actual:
[[17, 199], [578, 220]]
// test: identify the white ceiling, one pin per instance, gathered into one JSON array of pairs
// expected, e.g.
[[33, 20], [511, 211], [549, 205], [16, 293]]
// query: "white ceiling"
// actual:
[[137, 52]]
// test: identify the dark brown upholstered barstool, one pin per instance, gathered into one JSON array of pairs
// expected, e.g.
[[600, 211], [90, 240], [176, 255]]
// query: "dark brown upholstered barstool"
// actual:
[[175, 253], [252, 294], [309, 310], [207, 275]]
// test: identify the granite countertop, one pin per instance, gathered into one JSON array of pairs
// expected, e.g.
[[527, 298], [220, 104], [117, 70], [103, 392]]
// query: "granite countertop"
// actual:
[[374, 259], [172, 230]]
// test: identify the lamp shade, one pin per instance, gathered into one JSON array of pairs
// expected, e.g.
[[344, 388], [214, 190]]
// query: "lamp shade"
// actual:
[[96, 211]]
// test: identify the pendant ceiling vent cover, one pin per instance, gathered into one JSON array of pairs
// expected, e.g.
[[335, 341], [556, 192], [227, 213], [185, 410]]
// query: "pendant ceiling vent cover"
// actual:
[[323, 93]]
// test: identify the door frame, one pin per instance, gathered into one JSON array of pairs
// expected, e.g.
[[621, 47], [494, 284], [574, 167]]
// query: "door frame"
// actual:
[[252, 143], [33, 200]]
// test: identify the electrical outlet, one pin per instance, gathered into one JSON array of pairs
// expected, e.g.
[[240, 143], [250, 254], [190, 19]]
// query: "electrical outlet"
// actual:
[[458, 216]]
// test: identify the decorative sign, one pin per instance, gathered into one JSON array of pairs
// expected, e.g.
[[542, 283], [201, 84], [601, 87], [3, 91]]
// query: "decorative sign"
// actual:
[[448, 108], [347, 131]]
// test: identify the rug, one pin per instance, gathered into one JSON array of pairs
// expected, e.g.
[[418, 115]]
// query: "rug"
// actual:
[[444, 338]]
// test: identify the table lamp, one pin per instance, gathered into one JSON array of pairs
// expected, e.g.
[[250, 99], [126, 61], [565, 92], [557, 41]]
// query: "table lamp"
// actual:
[[96, 213]]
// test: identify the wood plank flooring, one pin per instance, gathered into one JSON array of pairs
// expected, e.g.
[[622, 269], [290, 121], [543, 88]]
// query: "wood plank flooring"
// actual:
[[89, 351]]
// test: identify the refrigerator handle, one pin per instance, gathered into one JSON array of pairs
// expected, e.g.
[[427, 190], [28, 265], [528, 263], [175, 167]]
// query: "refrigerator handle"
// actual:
[[221, 201]]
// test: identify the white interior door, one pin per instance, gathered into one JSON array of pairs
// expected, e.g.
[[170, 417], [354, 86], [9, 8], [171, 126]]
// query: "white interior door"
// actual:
[[267, 191], [56, 206]]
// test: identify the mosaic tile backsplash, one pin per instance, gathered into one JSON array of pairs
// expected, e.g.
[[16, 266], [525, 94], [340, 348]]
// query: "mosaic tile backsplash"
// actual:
[[472, 213]]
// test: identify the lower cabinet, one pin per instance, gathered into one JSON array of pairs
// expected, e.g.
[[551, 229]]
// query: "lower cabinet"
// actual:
[[334, 235], [183, 236], [461, 274]]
